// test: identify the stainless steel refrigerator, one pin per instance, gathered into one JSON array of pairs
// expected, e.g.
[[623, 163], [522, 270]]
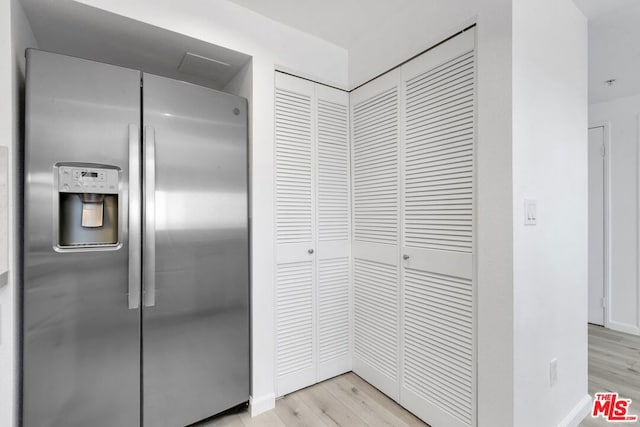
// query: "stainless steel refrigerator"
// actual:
[[136, 277]]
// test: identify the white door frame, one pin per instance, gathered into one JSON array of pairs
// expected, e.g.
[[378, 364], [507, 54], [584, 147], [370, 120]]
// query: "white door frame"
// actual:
[[606, 125]]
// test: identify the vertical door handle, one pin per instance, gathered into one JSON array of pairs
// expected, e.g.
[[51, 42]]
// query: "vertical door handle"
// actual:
[[135, 233], [149, 254]]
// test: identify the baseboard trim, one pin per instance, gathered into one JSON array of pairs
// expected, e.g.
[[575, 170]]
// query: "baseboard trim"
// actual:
[[577, 414], [623, 327], [261, 404]]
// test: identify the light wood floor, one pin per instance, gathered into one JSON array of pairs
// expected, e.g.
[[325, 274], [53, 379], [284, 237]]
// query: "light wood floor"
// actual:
[[347, 400], [344, 401], [614, 365]]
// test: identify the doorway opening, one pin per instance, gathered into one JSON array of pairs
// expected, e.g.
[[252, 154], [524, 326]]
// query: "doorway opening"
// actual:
[[598, 221]]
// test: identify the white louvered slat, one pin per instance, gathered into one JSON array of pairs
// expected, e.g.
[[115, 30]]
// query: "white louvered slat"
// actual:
[[438, 157], [376, 315], [375, 168], [333, 309], [333, 171], [438, 343], [294, 317], [293, 138]]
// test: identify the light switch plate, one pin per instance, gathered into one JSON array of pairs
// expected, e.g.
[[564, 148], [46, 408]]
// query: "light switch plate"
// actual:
[[530, 212]]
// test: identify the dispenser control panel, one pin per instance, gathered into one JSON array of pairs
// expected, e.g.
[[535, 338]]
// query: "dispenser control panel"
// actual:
[[73, 179]]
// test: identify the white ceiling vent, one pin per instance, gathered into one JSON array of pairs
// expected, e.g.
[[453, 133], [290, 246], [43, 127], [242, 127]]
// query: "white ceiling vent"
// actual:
[[201, 66]]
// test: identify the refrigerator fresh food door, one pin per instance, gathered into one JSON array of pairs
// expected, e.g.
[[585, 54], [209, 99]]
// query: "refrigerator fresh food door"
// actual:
[[81, 354], [195, 253]]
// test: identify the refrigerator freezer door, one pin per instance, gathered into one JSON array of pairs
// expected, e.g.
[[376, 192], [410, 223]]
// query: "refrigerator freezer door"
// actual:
[[81, 354], [196, 331]]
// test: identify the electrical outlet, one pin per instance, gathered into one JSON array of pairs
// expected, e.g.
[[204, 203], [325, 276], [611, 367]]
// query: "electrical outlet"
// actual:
[[553, 372], [530, 212]]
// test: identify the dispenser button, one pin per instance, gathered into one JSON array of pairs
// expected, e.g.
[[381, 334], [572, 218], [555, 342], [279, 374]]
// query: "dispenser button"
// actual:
[[65, 187]]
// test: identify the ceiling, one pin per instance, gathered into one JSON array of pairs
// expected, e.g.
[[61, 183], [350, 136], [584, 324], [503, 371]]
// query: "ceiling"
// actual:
[[596, 8], [72, 28], [614, 51], [340, 22], [613, 34]]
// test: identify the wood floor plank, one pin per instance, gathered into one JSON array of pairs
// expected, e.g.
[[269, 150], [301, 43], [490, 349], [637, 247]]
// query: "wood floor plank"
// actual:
[[615, 349], [599, 331], [267, 419], [613, 378], [366, 408], [231, 420], [594, 422], [294, 412], [616, 360], [364, 387], [327, 407]]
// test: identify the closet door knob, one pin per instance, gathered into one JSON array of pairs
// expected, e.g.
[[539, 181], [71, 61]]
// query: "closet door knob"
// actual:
[[310, 251], [405, 257]]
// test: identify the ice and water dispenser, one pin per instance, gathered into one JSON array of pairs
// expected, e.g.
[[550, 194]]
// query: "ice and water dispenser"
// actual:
[[87, 206]]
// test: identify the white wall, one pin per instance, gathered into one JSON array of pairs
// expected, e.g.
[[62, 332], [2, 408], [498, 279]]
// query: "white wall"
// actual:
[[550, 166], [272, 45], [242, 83], [15, 37], [623, 312], [494, 242], [226, 24], [410, 30]]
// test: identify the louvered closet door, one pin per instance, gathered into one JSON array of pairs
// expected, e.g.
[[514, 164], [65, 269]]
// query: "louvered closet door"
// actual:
[[333, 232], [376, 207], [295, 272], [438, 373]]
